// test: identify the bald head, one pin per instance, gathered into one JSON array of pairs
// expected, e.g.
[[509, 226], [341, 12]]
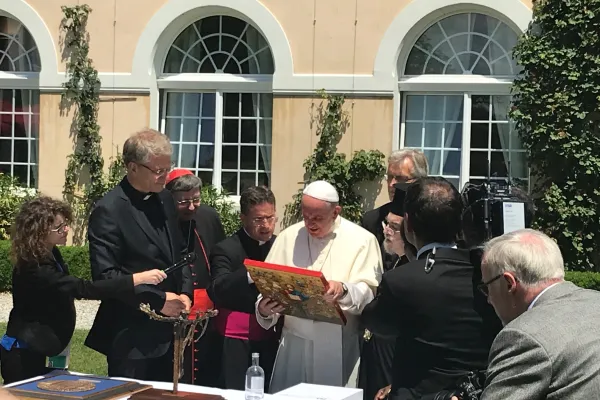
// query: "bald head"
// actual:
[[533, 257]]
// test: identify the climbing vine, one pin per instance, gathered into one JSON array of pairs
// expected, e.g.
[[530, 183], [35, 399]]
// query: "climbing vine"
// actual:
[[327, 164], [85, 180]]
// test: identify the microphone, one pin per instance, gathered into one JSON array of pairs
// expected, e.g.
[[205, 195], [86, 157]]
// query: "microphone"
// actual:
[[186, 260]]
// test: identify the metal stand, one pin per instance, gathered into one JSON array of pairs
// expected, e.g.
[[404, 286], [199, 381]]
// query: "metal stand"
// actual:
[[183, 331]]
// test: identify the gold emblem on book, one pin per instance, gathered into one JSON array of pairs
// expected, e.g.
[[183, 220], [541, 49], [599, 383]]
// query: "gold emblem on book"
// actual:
[[67, 386]]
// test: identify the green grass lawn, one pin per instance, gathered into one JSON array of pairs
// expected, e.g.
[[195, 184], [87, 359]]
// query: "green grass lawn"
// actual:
[[83, 359]]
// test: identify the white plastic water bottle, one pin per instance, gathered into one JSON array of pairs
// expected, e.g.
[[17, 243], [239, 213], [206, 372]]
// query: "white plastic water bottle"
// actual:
[[255, 380]]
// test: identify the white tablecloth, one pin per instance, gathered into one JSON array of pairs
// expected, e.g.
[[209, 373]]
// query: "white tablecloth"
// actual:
[[302, 391], [227, 394]]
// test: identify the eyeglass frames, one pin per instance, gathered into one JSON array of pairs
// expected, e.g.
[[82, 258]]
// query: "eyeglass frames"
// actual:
[[483, 287], [160, 171], [61, 229]]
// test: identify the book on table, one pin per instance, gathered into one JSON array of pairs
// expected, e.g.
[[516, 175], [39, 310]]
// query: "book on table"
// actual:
[[299, 290]]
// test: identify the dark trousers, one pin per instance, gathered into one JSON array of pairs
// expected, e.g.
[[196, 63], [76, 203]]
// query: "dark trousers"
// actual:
[[159, 369], [19, 364], [236, 357], [376, 361]]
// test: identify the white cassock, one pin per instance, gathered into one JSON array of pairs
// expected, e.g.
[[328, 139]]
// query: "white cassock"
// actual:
[[320, 352]]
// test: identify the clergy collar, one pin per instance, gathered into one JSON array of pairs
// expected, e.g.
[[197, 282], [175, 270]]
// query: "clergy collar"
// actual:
[[133, 193], [260, 242]]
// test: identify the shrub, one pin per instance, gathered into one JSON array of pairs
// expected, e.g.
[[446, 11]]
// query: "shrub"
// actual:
[[76, 257], [327, 164], [230, 216], [556, 103], [11, 198], [78, 260]]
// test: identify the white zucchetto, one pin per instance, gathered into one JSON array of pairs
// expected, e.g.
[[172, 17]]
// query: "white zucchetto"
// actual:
[[322, 190]]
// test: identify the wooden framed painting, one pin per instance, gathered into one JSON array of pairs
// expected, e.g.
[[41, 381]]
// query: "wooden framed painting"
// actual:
[[299, 290], [62, 385]]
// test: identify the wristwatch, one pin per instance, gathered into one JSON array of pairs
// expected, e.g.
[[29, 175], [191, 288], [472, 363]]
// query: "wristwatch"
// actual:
[[345, 290]]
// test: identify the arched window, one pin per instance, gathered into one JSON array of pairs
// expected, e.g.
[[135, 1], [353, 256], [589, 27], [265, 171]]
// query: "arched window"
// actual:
[[217, 102], [460, 119], [19, 105]]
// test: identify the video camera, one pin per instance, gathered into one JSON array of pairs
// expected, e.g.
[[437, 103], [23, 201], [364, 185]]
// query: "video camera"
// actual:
[[493, 208], [468, 388]]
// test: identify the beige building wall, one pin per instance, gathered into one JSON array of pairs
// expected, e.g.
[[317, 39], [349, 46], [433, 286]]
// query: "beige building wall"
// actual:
[[326, 36], [328, 39], [119, 115], [294, 138]]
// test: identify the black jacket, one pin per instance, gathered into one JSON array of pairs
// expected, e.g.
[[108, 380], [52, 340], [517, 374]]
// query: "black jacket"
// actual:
[[229, 287], [443, 325], [210, 229], [43, 314], [129, 232]]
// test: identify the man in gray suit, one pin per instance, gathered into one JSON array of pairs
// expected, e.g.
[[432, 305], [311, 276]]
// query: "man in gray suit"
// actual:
[[549, 347]]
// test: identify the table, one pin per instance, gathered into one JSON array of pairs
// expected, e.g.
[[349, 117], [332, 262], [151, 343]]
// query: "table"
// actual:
[[303, 391]]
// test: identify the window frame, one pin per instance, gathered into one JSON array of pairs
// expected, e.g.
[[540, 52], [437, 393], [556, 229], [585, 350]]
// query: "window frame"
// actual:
[[436, 84], [27, 81], [465, 150], [218, 83]]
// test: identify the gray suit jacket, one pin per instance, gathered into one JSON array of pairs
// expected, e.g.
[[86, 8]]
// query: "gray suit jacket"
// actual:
[[551, 351]]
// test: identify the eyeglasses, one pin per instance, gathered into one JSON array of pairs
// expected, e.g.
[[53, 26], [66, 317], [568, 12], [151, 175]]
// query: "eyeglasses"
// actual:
[[390, 227], [397, 178], [160, 171], [60, 230], [264, 220], [188, 202], [483, 287]]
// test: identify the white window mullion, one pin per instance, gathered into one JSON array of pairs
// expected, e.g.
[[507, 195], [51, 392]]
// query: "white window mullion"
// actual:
[[163, 116], [465, 160], [218, 140], [402, 119]]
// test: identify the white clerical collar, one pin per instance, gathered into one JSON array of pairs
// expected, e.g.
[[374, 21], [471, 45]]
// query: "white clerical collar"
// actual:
[[539, 295], [430, 246], [260, 242]]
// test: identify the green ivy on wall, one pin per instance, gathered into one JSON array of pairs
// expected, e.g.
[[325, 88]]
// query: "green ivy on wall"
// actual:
[[327, 164], [85, 179], [556, 104]]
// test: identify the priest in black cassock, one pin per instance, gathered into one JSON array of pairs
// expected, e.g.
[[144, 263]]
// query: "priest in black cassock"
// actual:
[[377, 353], [135, 228], [234, 293], [201, 228]]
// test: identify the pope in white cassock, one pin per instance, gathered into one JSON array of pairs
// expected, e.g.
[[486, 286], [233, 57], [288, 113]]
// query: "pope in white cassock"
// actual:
[[350, 259]]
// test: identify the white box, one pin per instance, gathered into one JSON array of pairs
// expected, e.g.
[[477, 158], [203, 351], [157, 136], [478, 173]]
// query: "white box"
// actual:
[[304, 391]]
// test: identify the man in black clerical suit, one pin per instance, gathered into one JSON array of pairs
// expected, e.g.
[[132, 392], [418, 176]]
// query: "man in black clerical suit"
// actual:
[[201, 228], [235, 294], [377, 352], [431, 305], [134, 228]]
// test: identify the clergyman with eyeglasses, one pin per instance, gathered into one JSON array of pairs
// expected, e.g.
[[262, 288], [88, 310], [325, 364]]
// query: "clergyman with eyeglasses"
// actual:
[[201, 228], [134, 228], [235, 294]]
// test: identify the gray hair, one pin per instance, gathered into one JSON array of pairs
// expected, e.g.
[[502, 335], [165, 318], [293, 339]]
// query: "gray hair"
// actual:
[[530, 255], [419, 161], [184, 183], [142, 145]]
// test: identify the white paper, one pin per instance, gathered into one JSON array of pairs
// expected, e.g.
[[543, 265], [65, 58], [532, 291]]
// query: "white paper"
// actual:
[[513, 216], [306, 391]]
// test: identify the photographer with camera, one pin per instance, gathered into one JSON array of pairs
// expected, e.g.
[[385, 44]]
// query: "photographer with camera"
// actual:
[[430, 304]]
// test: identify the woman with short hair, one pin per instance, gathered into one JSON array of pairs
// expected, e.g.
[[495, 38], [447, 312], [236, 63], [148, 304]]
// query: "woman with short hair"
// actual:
[[42, 320]]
